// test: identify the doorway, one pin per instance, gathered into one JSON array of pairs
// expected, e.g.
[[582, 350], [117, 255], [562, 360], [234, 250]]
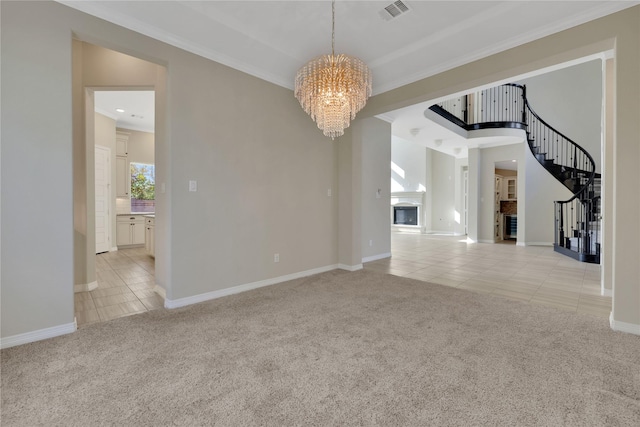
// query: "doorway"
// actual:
[[506, 202]]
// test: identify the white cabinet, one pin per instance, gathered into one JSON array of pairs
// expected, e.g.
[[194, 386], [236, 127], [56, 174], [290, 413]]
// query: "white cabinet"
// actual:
[[150, 240], [122, 144], [130, 230], [510, 189], [123, 178], [123, 181]]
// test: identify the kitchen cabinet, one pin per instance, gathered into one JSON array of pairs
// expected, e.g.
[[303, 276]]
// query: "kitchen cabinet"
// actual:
[[150, 240], [123, 181], [130, 230], [122, 144], [510, 190]]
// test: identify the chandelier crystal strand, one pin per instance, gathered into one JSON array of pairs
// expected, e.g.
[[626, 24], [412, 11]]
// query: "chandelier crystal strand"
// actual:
[[333, 88]]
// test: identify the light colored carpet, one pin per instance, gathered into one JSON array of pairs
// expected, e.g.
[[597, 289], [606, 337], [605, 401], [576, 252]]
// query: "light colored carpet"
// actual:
[[339, 349]]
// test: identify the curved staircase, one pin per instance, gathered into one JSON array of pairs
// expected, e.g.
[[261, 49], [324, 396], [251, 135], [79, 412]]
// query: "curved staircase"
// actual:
[[577, 220]]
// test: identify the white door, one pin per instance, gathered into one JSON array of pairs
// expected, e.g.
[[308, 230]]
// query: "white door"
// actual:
[[103, 197]]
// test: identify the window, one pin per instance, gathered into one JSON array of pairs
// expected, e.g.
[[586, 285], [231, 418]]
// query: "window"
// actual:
[[143, 188]]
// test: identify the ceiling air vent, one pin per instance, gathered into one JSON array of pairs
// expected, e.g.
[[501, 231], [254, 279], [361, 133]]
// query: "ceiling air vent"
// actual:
[[394, 10]]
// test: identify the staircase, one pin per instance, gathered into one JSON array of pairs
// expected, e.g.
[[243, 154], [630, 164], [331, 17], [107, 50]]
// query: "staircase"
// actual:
[[577, 220]]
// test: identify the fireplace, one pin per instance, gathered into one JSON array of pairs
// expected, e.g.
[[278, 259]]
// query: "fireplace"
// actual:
[[405, 215]]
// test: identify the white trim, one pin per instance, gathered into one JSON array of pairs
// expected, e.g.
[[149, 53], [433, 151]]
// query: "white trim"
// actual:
[[376, 257], [522, 244], [160, 291], [85, 287], [350, 267], [485, 241], [629, 328], [113, 249], [40, 334], [537, 244], [607, 292], [181, 302], [105, 113], [154, 32]]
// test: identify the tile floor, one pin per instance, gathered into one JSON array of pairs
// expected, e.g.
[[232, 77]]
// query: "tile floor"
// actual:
[[533, 274], [125, 286]]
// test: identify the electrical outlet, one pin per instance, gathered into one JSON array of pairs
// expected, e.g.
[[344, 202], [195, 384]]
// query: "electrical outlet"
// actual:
[[276, 257], [329, 192], [370, 242], [193, 185]]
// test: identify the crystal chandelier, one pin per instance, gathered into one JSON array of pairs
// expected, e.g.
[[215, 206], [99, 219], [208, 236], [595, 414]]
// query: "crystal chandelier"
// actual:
[[333, 88]]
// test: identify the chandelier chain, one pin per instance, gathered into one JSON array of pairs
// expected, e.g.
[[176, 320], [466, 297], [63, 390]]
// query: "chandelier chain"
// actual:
[[333, 27]]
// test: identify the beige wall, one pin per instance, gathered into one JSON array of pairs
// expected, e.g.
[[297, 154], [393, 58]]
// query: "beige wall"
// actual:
[[442, 171], [570, 100], [262, 166], [376, 187]]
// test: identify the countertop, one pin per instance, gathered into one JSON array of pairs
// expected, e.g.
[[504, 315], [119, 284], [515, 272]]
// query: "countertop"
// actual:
[[147, 214]]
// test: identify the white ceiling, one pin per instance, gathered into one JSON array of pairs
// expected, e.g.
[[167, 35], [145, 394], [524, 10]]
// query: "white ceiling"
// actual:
[[273, 39], [138, 106]]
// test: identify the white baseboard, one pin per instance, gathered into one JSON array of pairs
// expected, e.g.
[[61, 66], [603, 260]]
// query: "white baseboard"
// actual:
[[85, 287], [485, 241], [113, 249], [160, 291], [376, 257], [350, 267], [181, 302], [619, 326], [536, 244], [41, 334]]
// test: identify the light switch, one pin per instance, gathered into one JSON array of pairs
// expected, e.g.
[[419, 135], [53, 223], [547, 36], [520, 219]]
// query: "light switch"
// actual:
[[193, 185], [329, 192]]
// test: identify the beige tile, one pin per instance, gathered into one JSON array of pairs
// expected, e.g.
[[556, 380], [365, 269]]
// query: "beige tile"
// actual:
[[511, 294], [115, 283], [87, 317], [555, 300], [134, 306], [477, 286], [120, 310], [142, 286], [111, 312], [81, 296], [139, 279], [594, 311], [523, 288], [422, 277], [106, 292], [446, 281], [145, 293], [558, 293], [114, 299], [153, 303], [86, 305]]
